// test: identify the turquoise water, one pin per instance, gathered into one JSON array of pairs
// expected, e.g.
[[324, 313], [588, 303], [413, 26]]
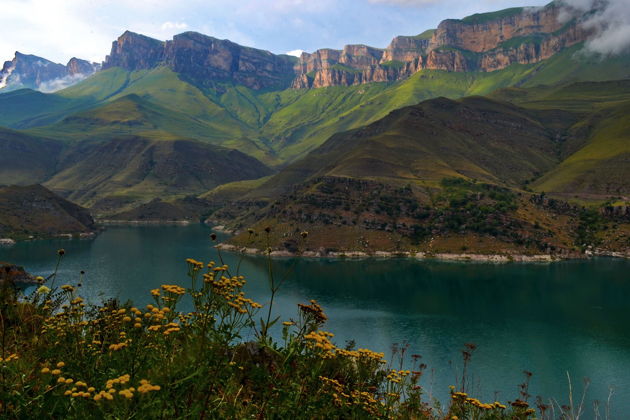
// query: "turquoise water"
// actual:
[[549, 319]]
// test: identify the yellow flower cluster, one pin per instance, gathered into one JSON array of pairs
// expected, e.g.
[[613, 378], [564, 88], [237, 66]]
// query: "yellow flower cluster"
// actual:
[[224, 286], [118, 346], [396, 376], [321, 340], [355, 397], [145, 386], [9, 358], [174, 289], [120, 380], [313, 310], [240, 303], [463, 397], [171, 328], [194, 264]]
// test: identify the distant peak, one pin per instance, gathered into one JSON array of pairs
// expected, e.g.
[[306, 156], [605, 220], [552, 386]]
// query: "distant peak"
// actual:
[[134, 35]]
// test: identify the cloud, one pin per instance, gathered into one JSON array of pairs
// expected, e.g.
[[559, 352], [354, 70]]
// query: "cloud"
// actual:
[[609, 20], [168, 26], [295, 53], [61, 83]]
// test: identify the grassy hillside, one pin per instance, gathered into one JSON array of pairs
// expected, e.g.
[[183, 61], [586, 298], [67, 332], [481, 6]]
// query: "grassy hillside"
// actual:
[[35, 211], [26, 159], [449, 176], [596, 147], [127, 171], [475, 138], [281, 126]]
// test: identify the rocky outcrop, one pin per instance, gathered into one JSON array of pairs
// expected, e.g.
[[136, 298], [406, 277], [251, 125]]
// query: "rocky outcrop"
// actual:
[[31, 71], [405, 48], [76, 66], [484, 32], [133, 51], [204, 59], [483, 42]]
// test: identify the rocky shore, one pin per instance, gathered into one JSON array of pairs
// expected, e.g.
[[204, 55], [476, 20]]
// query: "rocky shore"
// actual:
[[145, 222], [492, 258]]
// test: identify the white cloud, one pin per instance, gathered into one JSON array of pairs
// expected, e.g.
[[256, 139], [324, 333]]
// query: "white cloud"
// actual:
[[61, 83], [295, 53], [168, 26], [610, 22]]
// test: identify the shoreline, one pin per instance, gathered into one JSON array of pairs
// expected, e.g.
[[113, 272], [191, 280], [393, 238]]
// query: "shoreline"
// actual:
[[455, 257], [144, 222]]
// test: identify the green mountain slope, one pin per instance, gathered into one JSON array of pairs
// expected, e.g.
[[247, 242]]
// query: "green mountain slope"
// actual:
[[281, 126], [26, 159], [475, 138], [596, 151], [130, 170], [443, 173], [35, 211]]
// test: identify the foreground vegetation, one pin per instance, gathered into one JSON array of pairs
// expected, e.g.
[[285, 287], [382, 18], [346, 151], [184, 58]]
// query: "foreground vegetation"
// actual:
[[64, 358]]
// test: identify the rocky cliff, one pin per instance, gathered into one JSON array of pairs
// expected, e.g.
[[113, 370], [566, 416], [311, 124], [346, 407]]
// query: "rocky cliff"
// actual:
[[482, 42], [204, 59], [31, 71]]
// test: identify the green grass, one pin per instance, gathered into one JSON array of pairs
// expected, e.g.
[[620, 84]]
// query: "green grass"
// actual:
[[428, 34], [280, 127], [479, 18], [393, 64]]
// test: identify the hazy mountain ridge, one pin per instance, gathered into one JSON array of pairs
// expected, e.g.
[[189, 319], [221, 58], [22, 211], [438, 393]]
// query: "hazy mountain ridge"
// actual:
[[30, 71]]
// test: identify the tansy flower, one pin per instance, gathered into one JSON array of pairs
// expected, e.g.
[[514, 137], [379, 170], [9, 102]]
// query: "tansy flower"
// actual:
[[42, 290]]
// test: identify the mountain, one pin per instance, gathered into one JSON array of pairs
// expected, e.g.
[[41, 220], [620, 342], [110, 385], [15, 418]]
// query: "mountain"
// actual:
[[441, 173], [197, 94], [35, 211], [26, 159], [203, 59], [482, 42], [128, 170], [31, 71]]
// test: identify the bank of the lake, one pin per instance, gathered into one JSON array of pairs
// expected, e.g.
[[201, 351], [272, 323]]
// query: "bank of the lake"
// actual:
[[550, 319]]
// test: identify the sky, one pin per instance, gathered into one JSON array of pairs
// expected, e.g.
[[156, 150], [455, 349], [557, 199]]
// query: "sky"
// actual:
[[61, 29]]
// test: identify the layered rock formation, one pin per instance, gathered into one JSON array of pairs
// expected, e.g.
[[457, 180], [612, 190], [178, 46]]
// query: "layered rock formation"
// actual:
[[204, 59], [31, 71], [482, 42]]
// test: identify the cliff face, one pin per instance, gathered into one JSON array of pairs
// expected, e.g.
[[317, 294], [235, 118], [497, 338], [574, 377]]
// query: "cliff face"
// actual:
[[481, 33], [203, 59], [133, 51], [31, 71], [483, 42]]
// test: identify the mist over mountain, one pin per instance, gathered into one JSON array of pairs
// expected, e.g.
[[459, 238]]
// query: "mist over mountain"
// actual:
[[31, 71]]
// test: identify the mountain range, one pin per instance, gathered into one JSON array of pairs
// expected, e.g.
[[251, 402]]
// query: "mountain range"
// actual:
[[510, 103], [30, 71]]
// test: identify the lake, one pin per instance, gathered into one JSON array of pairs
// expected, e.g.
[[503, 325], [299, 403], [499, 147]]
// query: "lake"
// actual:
[[551, 319]]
